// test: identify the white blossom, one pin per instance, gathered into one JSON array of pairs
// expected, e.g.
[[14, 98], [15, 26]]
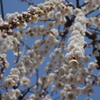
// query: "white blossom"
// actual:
[[9, 82], [25, 82]]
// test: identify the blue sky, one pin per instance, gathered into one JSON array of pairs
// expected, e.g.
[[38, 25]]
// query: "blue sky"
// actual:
[[11, 6]]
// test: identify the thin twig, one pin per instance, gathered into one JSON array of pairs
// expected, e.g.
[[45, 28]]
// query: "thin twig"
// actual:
[[94, 28], [23, 50], [83, 4], [29, 2], [97, 15], [67, 1], [77, 3], [17, 60], [93, 11], [2, 10], [37, 77], [56, 98]]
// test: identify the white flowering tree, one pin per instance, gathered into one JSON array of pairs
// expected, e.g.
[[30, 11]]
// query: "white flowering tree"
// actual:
[[69, 71]]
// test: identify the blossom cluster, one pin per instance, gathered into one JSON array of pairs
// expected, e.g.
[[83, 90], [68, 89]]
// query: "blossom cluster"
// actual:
[[65, 72]]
